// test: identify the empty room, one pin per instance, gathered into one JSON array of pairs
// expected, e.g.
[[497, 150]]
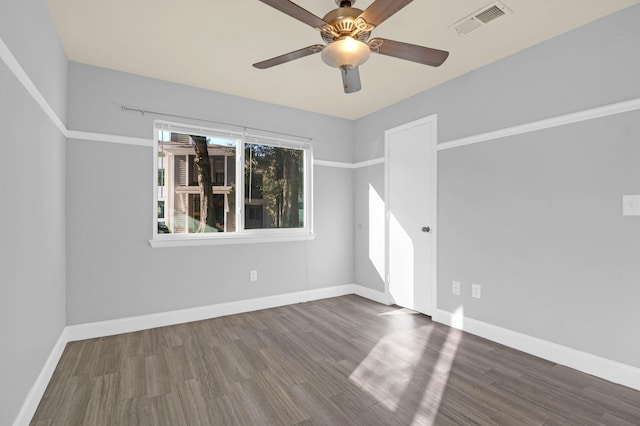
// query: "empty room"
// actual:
[[274, 212]]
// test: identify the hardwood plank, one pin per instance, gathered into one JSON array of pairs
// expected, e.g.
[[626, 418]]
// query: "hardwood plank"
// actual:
[[133, 412], [156, 376], [610, 420], [73, 408], [230, 409], [571, 407], [622, 393], [110, 356], [288, 370], [101, 404], [321, 408], [628, 411], [178, 364], [132, 378], [203, 364], [279, 397], [193, 403]]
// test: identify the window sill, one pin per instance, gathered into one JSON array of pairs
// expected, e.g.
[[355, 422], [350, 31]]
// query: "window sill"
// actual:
[[230, 239]]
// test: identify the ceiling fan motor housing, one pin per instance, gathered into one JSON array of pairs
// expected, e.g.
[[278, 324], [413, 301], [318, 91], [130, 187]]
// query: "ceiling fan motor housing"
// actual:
[[343, 23]]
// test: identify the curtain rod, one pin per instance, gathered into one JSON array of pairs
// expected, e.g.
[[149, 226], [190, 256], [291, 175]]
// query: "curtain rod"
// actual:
[[164, 114]]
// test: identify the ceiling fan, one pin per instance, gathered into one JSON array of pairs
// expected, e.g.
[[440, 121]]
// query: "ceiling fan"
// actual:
[[346, 31]]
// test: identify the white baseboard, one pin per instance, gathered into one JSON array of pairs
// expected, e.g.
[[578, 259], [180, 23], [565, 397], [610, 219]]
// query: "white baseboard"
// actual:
[[367, 293], [328, 292], [34, 396], [604, 368], [143, 322]]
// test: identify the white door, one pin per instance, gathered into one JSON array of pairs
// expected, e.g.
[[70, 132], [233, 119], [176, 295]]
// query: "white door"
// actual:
[[410, 166]]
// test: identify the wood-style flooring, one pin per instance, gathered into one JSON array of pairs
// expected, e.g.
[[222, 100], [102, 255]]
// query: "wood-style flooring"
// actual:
[[337, 361]]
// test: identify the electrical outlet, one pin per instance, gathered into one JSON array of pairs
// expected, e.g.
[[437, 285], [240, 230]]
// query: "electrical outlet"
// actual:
[[253, 276], [476, 291], [455, 288]]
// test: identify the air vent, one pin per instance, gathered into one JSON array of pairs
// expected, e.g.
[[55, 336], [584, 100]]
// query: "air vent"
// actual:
[[481, 17], [490, 14]]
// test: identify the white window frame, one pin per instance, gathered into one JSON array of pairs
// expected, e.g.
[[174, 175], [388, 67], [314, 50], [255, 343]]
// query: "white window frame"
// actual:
[[240, 235]]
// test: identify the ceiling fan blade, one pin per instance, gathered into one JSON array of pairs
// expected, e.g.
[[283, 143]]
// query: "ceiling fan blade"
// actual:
[[296, 54], [409, 52], [381, 10], [350, 79], [297, 12]]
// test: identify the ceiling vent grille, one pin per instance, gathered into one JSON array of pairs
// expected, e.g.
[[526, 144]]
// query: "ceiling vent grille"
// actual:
[[481, 17]]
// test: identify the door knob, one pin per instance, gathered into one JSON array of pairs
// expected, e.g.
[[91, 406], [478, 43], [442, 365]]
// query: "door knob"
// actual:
[[426, 229]]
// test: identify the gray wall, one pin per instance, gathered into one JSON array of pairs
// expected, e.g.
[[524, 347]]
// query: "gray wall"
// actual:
[[536, 218], [537, 221], [32, 247], [112, 272]]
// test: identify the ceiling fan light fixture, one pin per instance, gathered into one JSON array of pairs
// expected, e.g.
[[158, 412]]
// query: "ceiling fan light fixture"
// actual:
[[345, 52]]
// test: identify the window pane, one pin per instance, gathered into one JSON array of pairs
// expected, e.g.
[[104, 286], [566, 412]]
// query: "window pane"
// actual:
[[274, 187], [196, 185]]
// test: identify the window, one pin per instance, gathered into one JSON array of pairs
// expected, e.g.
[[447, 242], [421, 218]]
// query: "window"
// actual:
[[223, 185], [274, 186]]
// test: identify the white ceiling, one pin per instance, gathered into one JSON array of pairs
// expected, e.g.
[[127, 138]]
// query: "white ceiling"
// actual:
[[213, 43]]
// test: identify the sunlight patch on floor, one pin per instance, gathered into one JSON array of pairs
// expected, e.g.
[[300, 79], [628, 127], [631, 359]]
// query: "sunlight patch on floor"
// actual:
[[398, 351], [420, 386], [434, 392]]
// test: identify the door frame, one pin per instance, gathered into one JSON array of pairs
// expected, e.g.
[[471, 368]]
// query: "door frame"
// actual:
[[433, 120]]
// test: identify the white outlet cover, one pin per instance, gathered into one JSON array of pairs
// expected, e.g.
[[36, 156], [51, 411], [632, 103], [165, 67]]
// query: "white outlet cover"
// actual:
[[455, 288], [631, 205], [476, 291]]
